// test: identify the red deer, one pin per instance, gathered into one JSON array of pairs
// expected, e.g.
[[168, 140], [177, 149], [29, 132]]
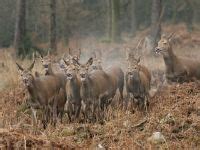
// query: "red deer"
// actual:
[[130, 57], [60, 78], [42, 90], [138, 80], [73, 103], [116, 74], [97, 64], [98, 86], [178, 69]]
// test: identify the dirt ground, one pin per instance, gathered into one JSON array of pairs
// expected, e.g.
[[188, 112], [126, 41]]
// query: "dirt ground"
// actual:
[[174, 112]]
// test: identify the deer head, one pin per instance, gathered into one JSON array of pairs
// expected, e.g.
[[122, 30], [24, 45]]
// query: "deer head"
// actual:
[[46, 61], [84, 69], [74, 56], [96, 65], [26, 76], [164, 45], [70, 70], [133, 69]]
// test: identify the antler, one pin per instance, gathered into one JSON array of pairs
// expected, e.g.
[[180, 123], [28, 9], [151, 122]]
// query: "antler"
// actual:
[[66, 62]]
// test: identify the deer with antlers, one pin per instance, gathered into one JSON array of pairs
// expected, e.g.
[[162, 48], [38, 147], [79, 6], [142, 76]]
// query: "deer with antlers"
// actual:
[[178, 69]]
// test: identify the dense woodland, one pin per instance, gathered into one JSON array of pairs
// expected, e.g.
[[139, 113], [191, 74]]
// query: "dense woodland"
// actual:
[[26, 24]]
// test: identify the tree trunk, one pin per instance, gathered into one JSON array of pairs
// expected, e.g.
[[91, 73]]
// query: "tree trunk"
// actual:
[[20, 28], [109, 19], [53, 45], [115, 34], [155, 31], [133, 18]]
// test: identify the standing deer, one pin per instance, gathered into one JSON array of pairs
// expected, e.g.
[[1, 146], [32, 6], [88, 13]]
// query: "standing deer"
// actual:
[[94, 87], [98, 86], [178, 69], [60, 78], [73, 91], [42, 90], [138, 80]]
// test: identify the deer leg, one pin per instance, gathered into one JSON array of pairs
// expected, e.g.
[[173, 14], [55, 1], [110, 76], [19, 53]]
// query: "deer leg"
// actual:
[[78, 110], [34, 117], [60, 114], [55, 111], [45, 116], [68, 109], [96, 111], [126, 101], [132, 104], [146, 104], [83, 105], [121, 100]]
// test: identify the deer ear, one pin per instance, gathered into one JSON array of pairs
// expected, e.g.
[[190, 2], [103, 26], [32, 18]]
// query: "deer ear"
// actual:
[[171, 36], [89, 62], [75, 62], [37, 74], [19, 67], [64, 55], [41, 56], [48, 53], [138, 60], [66, 62]]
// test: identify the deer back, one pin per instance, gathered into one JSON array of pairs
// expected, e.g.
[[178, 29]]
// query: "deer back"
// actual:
[[116, 76]]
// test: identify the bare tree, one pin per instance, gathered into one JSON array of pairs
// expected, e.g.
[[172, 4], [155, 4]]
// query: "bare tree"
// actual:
[[20, 28], [133, 17], [53, 45], [115, 34], [155, 24], [109, 18]]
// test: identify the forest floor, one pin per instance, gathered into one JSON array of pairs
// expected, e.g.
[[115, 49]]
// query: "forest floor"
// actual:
[[174, 112]]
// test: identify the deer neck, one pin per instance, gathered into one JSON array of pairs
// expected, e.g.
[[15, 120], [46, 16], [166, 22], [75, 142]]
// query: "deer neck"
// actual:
[[74, 82], [32, 90], [49, 71], [85, 87], [74, 88], [170, 60]]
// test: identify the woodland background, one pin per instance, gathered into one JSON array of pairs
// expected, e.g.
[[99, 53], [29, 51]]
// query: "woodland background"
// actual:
[[26, 25]]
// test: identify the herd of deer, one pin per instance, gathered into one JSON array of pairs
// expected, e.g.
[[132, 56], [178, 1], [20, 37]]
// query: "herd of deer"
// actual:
[[89, 89]]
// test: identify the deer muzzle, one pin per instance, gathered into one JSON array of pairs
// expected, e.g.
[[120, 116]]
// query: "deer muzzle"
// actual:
[[83, 77], [69, 76], [157, 50]]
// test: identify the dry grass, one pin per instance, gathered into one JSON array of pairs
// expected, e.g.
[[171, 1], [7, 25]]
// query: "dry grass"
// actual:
[[122, 129]]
